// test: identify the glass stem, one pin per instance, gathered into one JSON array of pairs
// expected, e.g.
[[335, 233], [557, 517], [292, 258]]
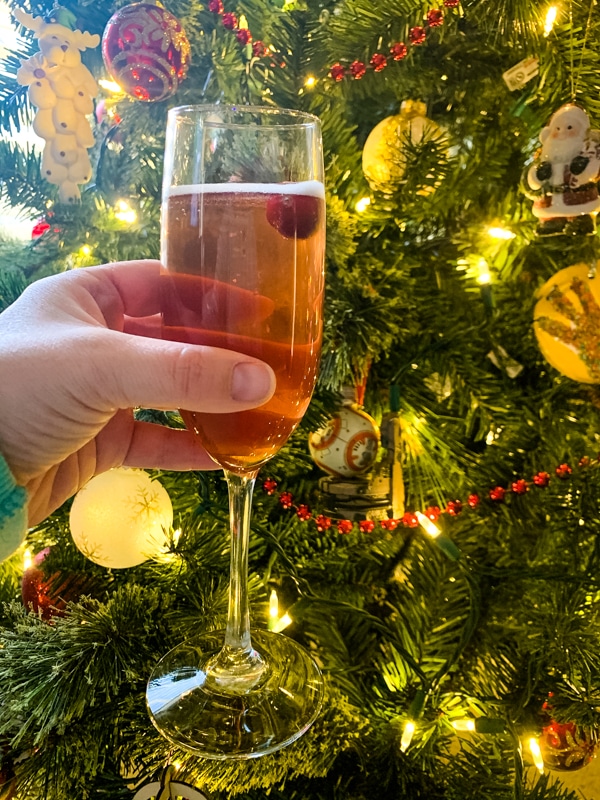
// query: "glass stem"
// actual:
[[237, 668], [241, 487]]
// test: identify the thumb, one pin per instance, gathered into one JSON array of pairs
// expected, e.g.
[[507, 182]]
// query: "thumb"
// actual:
[[137, 371]]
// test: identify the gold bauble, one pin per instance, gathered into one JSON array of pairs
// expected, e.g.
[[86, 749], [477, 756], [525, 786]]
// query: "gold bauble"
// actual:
[[383, 161], [567, 323]]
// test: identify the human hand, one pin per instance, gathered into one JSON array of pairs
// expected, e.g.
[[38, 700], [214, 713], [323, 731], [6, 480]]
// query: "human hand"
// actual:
[[72, 369]]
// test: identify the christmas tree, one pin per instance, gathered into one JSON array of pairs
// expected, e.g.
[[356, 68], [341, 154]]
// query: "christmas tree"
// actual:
[[443, 566]]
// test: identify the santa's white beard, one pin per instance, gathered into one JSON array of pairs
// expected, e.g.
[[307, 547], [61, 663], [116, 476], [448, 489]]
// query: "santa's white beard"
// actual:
[[561, 151]]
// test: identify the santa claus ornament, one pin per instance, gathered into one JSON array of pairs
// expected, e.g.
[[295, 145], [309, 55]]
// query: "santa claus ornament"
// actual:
[[563, 179], [62, 89]]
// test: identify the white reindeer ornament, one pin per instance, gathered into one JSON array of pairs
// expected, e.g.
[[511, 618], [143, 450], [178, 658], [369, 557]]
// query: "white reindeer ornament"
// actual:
[[62, 90]]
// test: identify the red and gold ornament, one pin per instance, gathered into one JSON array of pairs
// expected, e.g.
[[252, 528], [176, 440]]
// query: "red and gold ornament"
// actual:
[[48, 595], [146, 51], [565, 747]]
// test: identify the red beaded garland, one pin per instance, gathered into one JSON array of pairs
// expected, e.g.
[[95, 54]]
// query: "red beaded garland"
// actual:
[[435, 17], [451, 3], [230, 21], [39, 229], [541, 479], [357, 70], [519, 486], [433, 512], [216, 6], [259, 49], [345, 526], [454, 508], [269, 485], [323, 523], [398, 51], [410, 519], [563, 470], [243, 36], [366, 526], [378, 61], [417, 35], [286, 499], [473, 500], [337, 72], [497, 494], [303, 512]]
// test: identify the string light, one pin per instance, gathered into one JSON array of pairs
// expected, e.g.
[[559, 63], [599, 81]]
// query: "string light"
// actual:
[[500, 233], [536, 754], [277, 623], [444, 542], [407, 736], [428, 525], [551, 15], [363, 204], [464, 725], [484, 278], [124, 212], [27, 559], [86, 250], [310, 82], [110, 86]]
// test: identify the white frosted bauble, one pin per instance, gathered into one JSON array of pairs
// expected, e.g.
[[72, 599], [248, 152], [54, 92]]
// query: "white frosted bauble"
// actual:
[[121, 518], [347, 447]]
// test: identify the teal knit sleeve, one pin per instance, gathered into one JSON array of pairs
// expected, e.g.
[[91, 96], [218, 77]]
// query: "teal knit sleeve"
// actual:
[[13, 512]]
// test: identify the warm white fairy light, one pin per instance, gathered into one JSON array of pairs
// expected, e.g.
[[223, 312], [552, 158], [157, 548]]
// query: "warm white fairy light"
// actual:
[[536, 754], [466, 725], [282, 623], [428, 525], [273, 610], [407, 736], [27, 559], [110, 86], [362, 204], [551, 15], [310, 82], [124, 212], [500, 233], [484, 276], [86, 250]]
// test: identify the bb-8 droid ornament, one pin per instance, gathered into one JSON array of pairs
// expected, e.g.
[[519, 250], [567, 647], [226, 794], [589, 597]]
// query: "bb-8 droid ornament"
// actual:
[[347, 446]]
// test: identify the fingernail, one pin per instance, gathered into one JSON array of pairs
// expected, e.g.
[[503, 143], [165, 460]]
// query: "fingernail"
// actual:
[[252, 382]]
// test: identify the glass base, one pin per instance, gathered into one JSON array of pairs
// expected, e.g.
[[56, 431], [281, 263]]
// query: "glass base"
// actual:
[[236, 720]]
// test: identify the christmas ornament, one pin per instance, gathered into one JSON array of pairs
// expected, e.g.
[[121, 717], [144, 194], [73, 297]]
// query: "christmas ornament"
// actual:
[[146, 51], [565, 747], [168, 789], [567, 323], [62, 89], [563, 179], [48, 595], [120, 518], [383, 160], [347, 446]]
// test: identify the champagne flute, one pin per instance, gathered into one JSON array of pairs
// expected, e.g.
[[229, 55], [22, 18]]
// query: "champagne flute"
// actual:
[[242, 239]]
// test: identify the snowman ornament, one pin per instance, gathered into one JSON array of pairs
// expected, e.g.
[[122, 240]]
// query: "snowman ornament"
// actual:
[[62, 89], [563, 179]]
